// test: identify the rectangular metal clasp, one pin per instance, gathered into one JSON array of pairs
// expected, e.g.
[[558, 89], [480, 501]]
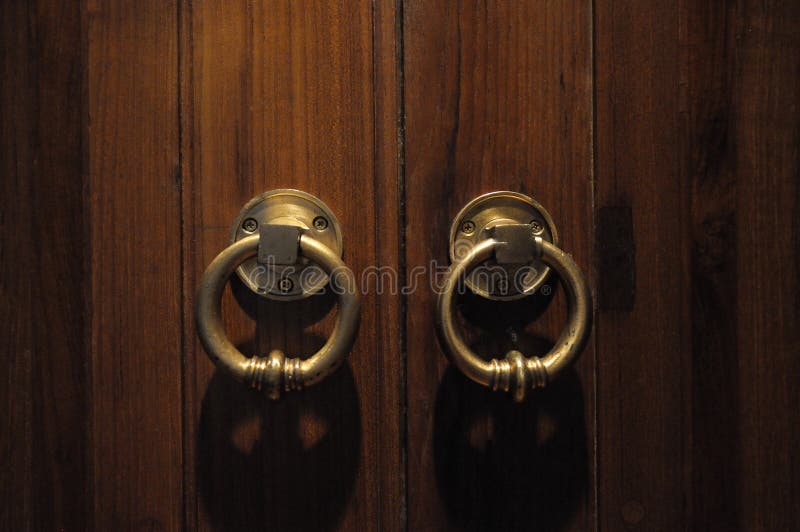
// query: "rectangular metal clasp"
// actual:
[[278, 244], [517, 244]]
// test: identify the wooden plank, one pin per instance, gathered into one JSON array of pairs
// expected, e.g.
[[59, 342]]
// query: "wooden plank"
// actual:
[[389, 237], [135, 234], [644, 341], [708, 158], [764, 161], [43, 216], [498, 96], [694, 372], [189, 261], [17, 106], [281, 96], [216, 152], [60, 392]]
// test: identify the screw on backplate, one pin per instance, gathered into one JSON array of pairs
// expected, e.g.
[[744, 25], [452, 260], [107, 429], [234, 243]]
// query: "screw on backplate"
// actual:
[[536, 227], [468, 227], [250, 225], [285, 285], [320, 223]]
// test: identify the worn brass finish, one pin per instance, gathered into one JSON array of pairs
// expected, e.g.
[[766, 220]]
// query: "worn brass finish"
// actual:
[[477, 220], [276, 372], [286, 282], [516, 373]]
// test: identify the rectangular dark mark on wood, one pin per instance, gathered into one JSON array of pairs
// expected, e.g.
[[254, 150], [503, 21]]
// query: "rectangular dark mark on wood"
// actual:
[[616, 251]]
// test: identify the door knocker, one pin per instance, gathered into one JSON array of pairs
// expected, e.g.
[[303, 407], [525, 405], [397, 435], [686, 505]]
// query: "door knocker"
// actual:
[[285, 245], [513, 234]]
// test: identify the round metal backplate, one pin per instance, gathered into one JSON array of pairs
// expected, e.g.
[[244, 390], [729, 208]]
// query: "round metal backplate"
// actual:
[[286, 207], [474, 223]]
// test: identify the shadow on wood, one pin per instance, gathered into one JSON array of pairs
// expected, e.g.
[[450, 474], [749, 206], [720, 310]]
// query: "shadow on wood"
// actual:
[[286, 465], [507, 466]]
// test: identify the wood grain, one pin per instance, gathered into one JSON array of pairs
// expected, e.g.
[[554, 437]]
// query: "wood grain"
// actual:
[[644, 348], [498, 96], [45, 486], [709, 152], [134, 193], [765, 137], [16, 251], [281, 95], [662, 137], [60, 392], [389, 255], [697, 136]]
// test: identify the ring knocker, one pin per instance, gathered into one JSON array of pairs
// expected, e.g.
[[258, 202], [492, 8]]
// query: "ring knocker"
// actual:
[[513, 233], [285, 245]]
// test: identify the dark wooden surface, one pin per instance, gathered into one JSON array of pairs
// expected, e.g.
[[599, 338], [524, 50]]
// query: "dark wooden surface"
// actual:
[[697, 166], [16, 324], [44, 395], [662, 137], [643, 338], [133, 193]]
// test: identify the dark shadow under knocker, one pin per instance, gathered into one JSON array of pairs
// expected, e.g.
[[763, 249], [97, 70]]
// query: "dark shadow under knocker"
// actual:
[[285, 465], [502, 465]]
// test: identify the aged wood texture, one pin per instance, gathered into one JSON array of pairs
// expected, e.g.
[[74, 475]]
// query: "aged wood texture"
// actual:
[[498, 96]]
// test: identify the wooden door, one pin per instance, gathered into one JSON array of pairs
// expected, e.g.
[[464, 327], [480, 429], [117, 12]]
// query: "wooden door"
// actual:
[[662, 137]]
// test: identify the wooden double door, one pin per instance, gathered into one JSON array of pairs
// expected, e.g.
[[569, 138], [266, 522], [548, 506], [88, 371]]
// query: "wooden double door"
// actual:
[[662, 137]]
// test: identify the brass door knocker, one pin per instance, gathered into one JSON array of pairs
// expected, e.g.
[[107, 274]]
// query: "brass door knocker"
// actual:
[[285, 245], [517, 236]]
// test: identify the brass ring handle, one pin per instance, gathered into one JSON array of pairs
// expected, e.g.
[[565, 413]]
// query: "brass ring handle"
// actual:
[[276, 372], [517, 373]]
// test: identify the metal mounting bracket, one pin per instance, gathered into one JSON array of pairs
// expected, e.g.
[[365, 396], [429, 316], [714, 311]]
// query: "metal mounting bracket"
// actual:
[[279, 217]]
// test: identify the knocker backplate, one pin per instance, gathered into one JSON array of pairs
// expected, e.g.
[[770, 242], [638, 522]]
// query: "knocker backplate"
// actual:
[[286, 207], [476, 222]]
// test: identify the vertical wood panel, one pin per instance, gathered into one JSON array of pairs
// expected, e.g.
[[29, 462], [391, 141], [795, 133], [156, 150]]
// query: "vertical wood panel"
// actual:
[[190, 260], [765, 131], [709, 154], [134, 193], [60, 391], [290, 95], [498, 96], [16, 252], [644, 347], [44, 477], [389, 237], [698, 139]]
